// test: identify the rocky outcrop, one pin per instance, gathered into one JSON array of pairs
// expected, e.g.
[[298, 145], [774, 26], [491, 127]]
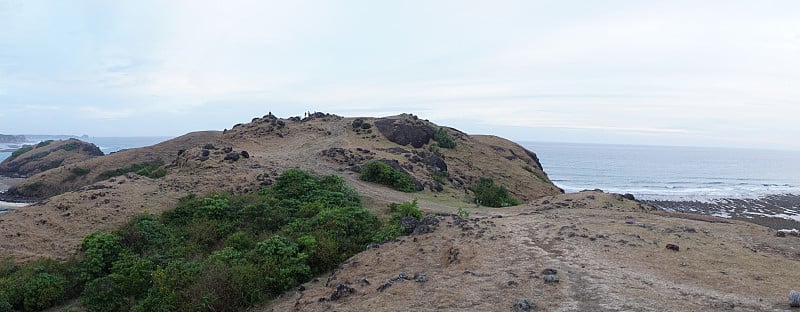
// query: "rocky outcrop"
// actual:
[[405, 130], [47, 155]]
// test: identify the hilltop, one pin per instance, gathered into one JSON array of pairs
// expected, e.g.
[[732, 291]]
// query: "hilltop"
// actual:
[[586, 251]]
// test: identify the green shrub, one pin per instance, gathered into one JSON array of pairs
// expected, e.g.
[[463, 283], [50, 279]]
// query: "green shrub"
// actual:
[[443, 139], [405, 209], [489, 194], [100, 251], [17, 153], [380, 172], [219, 252], [78, 171], [44, 291], [44, 143], [71, 146]]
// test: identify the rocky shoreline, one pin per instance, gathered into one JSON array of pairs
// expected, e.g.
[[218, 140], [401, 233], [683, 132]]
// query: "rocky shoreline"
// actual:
[[775, 211]]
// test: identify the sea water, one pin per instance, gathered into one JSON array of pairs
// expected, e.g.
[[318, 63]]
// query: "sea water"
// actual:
[[669, 172]]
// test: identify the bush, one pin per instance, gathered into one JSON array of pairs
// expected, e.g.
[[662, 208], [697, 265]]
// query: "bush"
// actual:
[[380, 172], [71, 146], [44, 291], [78, 171], [17, 153], [443, 139], [44, 143], [489, 194], [220, 252]]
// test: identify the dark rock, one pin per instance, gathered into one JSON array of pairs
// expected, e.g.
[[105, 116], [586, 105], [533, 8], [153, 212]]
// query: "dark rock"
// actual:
[[550, 276], [357, 123], [524, 305], [400, 277], [673, 247], [245, 154], [724, 305], [205, 153], [628, 196], [342, 290], [426, 225], [403, 131], [409, 223], [366, 126], [420, 277], [232, 156], [209, 146], [227, 149]]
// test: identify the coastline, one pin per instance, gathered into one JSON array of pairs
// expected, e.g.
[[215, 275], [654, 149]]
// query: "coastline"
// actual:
[[6, 203], [781, 211]]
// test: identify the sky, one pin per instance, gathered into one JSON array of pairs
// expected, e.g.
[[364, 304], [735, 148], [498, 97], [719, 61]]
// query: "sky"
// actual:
[[696, 73]]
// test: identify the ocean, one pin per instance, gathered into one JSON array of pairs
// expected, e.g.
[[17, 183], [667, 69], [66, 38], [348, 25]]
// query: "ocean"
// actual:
[[759, 186], [670, 172]]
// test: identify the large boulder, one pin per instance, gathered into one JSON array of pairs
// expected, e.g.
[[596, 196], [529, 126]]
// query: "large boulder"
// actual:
[[405, 130]]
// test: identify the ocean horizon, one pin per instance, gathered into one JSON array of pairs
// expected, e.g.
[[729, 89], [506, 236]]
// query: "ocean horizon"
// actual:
[[671, 173]]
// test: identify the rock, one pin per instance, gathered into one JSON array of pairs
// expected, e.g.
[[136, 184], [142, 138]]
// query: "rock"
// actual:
[[794, 299], [342, 290], [550, 276], [209, 146], [227, 149], [409, 223], [245, 154], [404, 131], [628, 196], [420, 277], [357, 123], [524, 305], [673, 247], [232, 156], [400, 277], [426, 225], [724, 305], [784, 233]]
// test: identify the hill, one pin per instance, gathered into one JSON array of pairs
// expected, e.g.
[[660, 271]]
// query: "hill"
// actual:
[[249, 156], [586, 251]]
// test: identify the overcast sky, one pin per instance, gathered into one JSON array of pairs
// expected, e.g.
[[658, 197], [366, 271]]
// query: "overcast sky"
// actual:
[[717, 73]]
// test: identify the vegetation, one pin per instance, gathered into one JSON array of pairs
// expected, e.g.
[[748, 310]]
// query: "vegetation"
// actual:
[[380, 172], [443, 139], [71, 146], [44, 143], [394, 228], [214, 253], [150, 169], [17, 153], [79, 171], [489, 194]]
